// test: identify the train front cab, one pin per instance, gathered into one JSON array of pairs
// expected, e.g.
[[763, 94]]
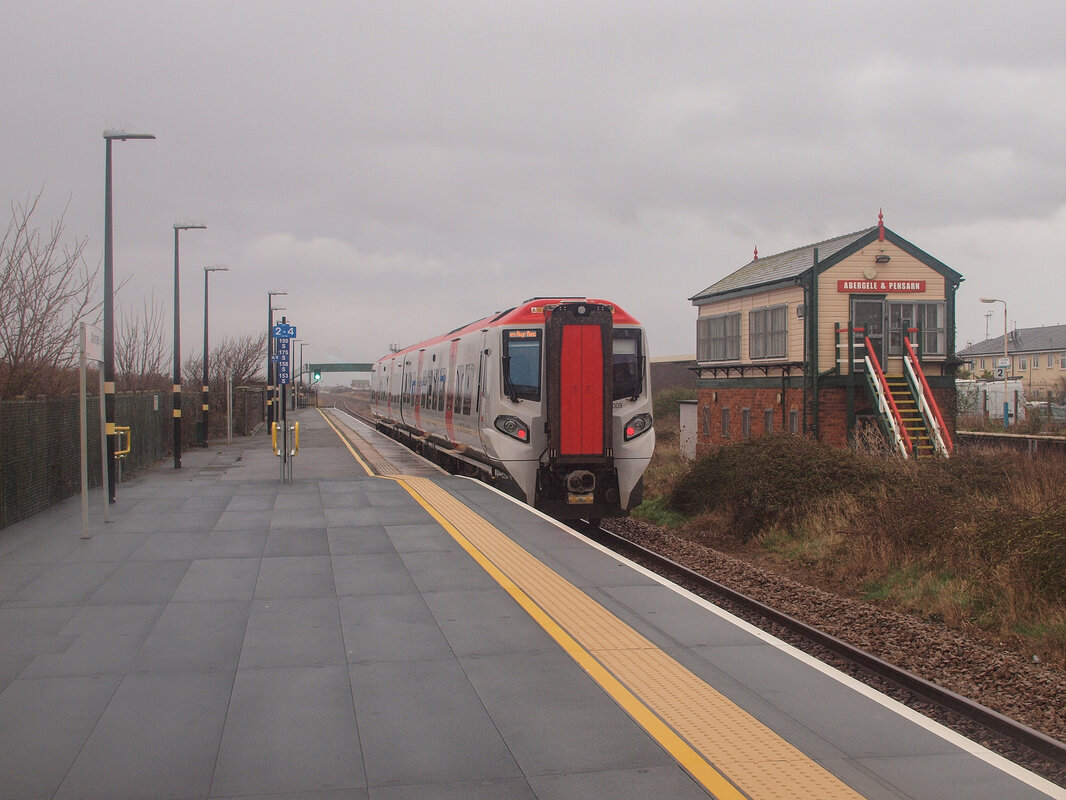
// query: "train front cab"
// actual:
[[579, 478]]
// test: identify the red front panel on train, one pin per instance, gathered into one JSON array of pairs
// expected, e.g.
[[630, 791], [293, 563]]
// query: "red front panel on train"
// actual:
[[581, 390]]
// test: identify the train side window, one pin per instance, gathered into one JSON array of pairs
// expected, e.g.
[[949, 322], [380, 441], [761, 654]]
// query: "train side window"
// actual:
[[521, 364], [441, 387], [468, 390], [627, 363]]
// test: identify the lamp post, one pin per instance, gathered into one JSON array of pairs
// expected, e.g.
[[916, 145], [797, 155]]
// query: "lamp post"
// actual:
[[109, 309], [1006, 356], [178, 226], [270, 355], [302, 344], [207, 272]]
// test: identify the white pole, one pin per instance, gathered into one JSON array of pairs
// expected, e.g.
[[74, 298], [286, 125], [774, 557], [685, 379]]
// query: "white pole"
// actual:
[[103, 450], [229, 409], [83, 416]]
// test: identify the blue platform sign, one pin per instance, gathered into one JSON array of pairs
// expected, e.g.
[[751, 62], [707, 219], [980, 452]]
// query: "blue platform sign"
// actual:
[[283, 330]]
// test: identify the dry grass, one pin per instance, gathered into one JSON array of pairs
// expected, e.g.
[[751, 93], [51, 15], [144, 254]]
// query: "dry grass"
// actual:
[[976, 541]]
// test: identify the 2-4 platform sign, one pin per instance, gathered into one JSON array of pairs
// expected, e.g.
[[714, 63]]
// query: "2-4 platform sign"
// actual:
[[283, 330], [284, 333]]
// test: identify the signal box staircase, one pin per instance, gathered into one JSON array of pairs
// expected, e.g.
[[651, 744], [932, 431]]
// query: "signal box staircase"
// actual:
[[906, 409]]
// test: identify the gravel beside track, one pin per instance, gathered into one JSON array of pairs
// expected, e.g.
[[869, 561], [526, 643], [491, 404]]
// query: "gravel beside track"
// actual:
[[995, 676]]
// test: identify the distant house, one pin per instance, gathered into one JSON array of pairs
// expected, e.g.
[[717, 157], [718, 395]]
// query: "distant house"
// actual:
[[1036, 356], [814, 341]]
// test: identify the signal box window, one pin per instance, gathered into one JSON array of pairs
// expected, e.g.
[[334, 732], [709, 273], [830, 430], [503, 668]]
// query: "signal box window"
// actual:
[[927, 317], [718, 337], [627, 364], [521, 364], [767, 336]]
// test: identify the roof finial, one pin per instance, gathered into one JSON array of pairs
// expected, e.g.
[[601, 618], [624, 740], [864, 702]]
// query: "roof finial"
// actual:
[[881, 225], [756, 253]]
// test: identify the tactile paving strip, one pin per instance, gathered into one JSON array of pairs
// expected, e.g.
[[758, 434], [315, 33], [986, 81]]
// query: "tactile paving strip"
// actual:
[[366, 454], [748, 759]]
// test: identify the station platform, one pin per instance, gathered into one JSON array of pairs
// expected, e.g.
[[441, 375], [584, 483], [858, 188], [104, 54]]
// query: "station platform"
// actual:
[[377, 629]]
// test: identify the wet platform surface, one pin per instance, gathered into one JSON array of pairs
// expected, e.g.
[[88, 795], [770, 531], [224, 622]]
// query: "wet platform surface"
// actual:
[[230, 635]]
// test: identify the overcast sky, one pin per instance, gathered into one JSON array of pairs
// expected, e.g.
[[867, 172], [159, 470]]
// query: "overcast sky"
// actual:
[[401, 168]]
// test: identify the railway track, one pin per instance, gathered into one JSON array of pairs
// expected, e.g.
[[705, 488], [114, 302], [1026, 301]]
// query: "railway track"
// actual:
[[1011, 739]]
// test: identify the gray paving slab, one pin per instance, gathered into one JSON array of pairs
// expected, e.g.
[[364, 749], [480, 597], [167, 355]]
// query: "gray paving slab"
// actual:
[[351, 540], [391, 627], [293, 632], [139, 582], [555, 719], [195, 637], [218, 579], [157, 737], [482, 622], [15, 577], [429, 725], [198, 545], [310, 541], [289, 730], [64, 584], [44, 723], [295, 576], [440, 570], [504, 789], [628, 784], [372, 573]]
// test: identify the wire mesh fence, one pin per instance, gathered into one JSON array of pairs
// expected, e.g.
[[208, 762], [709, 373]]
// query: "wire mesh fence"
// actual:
[[40, 442]]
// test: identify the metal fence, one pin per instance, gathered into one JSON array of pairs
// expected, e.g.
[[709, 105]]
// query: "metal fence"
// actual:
[[40, 442]]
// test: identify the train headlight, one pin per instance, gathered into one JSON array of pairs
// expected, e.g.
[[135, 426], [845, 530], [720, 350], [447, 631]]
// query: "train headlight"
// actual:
[[513, 427], [641, 423]]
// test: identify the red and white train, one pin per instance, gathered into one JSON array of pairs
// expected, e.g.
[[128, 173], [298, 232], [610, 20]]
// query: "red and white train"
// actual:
[[550, 400]]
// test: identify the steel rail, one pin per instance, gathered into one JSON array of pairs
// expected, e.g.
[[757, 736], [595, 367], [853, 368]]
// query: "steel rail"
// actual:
[[993, 721]]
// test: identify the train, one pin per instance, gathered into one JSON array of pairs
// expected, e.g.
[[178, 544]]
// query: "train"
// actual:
[[550, 401]]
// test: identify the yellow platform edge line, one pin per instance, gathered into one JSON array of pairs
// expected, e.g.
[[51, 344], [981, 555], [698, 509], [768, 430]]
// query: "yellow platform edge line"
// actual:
[[343, 438], [689, 759]]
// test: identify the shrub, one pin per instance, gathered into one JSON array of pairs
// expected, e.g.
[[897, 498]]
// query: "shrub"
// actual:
[[768, 480]]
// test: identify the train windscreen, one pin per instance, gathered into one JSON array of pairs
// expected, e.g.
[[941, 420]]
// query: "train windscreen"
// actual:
[[521, 364], [627, 364]]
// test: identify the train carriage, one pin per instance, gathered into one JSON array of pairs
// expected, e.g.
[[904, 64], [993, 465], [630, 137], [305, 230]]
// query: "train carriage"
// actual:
[[550, 400]]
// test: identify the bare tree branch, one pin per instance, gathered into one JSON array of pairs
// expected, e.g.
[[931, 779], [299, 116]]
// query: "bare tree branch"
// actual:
[[46, 289], [141, 350]]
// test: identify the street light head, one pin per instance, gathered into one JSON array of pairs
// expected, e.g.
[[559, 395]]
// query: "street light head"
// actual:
[[216, 268], [124, 135], [184, 226], [992, 300]]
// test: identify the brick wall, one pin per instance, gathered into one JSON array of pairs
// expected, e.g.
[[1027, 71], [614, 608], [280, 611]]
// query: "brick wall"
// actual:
[[712, 403], [832, 412]]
